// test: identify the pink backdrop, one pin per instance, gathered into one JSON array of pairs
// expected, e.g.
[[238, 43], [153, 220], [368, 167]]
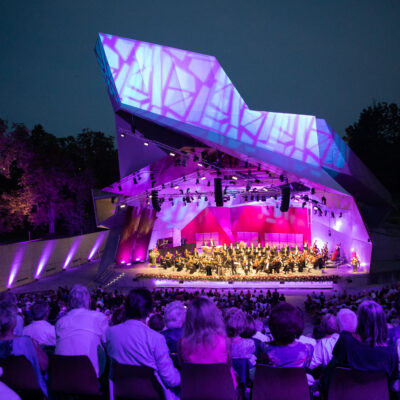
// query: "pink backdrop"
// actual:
[[227, 221]]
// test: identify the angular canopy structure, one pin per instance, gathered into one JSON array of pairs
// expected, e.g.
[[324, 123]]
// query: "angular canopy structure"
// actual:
[[171, 101]]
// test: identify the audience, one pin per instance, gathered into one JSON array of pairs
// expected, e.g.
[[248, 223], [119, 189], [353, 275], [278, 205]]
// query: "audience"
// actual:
[[39, 329], [133, 342], [174, 317], [81, 331], [257, 325]]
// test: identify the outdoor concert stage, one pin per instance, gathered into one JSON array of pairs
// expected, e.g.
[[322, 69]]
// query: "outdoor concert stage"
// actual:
[[198, 165], [154, 276]]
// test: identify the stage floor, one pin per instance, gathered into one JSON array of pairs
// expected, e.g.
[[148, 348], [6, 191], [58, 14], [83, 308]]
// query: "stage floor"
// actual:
[[312, 279]]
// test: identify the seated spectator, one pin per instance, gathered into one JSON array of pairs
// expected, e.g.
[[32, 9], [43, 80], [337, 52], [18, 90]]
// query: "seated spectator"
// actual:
[[81, 331], [7, 393], [133, 342], [324, 347], [204, 336], [347, 320], [285, 322], [10, 344], [156, 322], [174, 317], [236, 324], [260, 334], [40, 330], [12, 299], [367, 349]]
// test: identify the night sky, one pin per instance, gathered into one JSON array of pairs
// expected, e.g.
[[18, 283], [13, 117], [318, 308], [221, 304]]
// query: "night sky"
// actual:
[[328, 59]]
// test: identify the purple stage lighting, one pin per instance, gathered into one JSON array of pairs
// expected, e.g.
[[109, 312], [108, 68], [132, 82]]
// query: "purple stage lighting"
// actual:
[[97, 244], [19, 254], [72, 251], [47, 250]]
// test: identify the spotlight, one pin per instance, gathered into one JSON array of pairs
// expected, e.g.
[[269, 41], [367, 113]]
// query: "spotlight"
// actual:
[[200, 164], [172, 154], [315, 208], [202, 178], [122, 206], [146, 143], [122, 135], [265, 189], [235, 178], [176, 187], [296, 200]]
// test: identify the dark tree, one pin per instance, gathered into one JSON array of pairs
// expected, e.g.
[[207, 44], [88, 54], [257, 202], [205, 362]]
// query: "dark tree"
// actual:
[[375, 138]]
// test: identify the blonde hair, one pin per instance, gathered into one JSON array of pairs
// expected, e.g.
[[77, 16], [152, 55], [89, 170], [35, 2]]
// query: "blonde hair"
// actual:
[[203, 323]]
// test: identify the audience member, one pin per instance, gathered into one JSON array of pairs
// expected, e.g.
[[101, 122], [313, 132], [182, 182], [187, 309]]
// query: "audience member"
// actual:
[[81, 332], [285, 322], [10, 344], [156, 322], [10, 298], [39, 329], [347, 320], [133, 342], [367, 349], [323, 350], [236, 324], [174, 317]]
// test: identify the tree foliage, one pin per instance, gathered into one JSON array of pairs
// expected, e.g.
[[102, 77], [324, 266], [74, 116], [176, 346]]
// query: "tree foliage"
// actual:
[[46, 181], [375, 138]]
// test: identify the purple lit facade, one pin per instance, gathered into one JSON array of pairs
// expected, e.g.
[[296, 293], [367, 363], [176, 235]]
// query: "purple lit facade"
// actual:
[[190, 94]]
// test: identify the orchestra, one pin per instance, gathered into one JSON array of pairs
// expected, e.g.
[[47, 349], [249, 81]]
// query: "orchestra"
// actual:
[[241, 259]]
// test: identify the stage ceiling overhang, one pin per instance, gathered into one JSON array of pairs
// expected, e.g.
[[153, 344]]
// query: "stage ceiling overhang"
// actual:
[[172, 95]]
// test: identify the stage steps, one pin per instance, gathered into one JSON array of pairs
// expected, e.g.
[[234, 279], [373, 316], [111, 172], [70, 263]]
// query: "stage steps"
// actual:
[[109, 277]]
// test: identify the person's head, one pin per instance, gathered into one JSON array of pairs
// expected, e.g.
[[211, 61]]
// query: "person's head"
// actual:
[[138, 304], [156, 322], [8, 318], [250, 329], [8, 297], [372, 327], [259, 325], [79, 297], [285, 323], [203, 322], [329, 324], [235, 321], [40, 310], [347, 320], [174, 314]]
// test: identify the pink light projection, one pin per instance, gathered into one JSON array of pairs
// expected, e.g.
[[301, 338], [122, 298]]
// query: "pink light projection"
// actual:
[[47, 250], [99, 240], [19, 255], [73, 249]]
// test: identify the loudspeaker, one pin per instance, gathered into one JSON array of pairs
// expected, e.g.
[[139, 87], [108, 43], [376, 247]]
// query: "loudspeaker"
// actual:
[[219, 201], [154, 200], [285, 199]]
